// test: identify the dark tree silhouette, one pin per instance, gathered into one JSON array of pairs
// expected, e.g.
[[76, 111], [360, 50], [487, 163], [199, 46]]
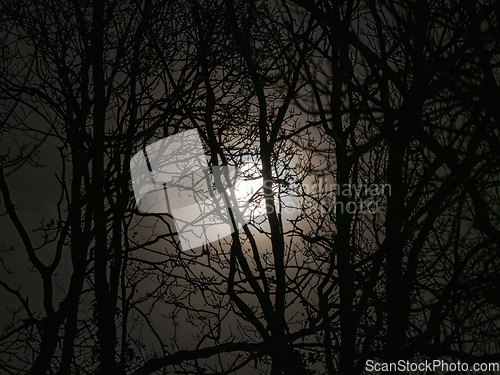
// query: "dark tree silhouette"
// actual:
[[373, 122], [403, 93]]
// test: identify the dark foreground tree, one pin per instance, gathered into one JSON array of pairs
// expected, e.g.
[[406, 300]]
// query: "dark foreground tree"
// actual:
[[403, 91], [371, 126]]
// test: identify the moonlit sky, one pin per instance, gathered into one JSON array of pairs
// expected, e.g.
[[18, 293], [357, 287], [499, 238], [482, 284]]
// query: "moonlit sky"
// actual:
[[35, 192], [419, 272]]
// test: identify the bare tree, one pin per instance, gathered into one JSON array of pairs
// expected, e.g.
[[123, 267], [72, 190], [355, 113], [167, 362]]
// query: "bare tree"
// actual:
[[74, 70], [397, 96], [373, 120]]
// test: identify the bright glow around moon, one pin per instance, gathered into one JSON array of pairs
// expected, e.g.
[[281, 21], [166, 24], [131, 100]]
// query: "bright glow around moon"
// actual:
[[250, 193]]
